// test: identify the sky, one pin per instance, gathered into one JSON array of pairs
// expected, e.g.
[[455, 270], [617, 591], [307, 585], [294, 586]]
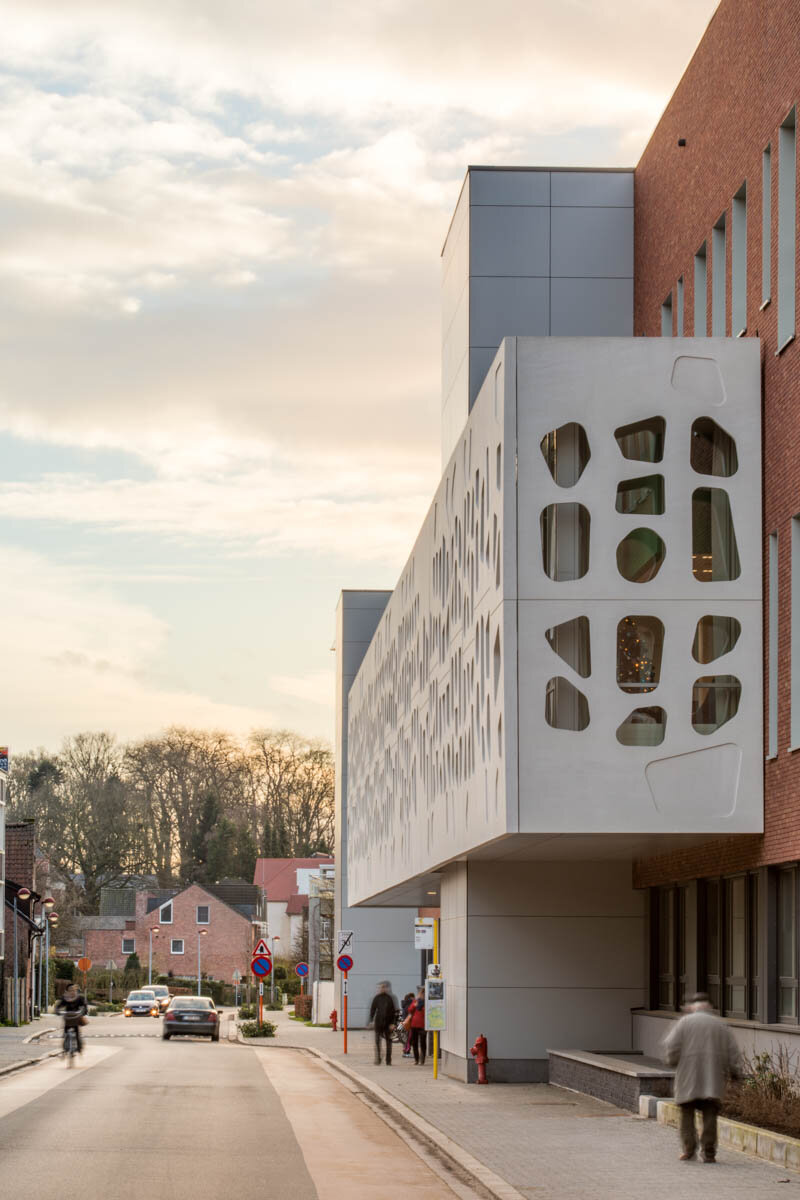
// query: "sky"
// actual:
[[219, 345]]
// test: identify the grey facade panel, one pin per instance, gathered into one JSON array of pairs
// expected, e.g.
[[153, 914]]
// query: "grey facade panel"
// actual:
[[592, 188], [506, 307], [505, 240], [509, 187], [591, 307], [592, 242]]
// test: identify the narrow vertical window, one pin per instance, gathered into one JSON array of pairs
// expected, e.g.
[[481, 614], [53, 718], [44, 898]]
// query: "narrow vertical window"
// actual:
[[739, 262], [666, 317], [772, 661], [700, 293], [795, 635], [718, 274], [786, 229], [766, 226], [679, 305], [787, 945]]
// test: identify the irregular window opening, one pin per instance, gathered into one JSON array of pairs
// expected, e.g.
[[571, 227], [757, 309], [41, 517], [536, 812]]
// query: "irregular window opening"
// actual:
[[565, 541], [640, 643], [571, 641], [713, 451], [565, 707], [715, 556], [714, 636], [643, 496], [643, 727], [643, 440], [640, 555], [715, 700], [566, 452]]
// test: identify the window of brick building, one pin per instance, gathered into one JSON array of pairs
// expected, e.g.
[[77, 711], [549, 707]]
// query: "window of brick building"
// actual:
[[766, 226], [669, 941], [772, 648], [203, 914], [666, 317], [176, 946], [700, 293], [787, 944], [795, 635], [728, 944], [787, 215], [129, 945], [679, 306], [165, 914], [739, 262], [719, 236]]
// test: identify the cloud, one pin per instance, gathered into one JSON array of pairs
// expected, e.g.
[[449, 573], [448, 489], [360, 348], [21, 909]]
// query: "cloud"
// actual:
[[315, 688]]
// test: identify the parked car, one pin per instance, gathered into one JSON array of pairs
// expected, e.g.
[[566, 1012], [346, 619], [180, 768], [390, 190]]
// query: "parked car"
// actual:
[[141, 1003], [195, 1015], [162, 994]]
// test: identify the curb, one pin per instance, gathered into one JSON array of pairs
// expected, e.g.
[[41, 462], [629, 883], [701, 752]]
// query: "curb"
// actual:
[[40, 1033], [412, 1123], [777, 1148], [27, 1062]]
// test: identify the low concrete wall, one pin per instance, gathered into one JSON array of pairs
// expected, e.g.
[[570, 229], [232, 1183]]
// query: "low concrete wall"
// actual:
[[774, 1147], [650, 1027], [617, 1081]]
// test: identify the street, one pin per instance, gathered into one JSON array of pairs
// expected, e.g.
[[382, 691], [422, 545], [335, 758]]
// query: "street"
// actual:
[[138, 1116]]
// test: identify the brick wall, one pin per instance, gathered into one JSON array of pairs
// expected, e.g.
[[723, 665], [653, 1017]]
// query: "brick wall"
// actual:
[[740, 85], [228, 943]]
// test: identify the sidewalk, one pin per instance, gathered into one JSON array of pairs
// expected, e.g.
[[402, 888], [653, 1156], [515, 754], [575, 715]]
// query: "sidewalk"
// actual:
[[15, 1050], [544, 1141]]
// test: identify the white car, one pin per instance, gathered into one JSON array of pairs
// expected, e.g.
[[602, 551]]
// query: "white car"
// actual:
[[141, 1003]]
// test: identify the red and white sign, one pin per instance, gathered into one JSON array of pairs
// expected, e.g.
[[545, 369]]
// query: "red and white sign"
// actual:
[[262, 948]]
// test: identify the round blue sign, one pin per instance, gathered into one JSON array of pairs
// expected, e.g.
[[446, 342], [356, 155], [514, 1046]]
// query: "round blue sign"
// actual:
[[301, 969], [261, 965], [344, 962]]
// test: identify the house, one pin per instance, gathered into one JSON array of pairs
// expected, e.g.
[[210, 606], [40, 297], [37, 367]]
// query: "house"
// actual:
[[286, 883]]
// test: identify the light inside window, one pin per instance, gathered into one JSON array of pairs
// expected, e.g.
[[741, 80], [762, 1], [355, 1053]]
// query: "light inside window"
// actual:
[[715, 556], [640, 642]]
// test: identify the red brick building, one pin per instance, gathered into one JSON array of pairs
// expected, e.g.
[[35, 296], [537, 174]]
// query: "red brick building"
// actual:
[[715, 214]]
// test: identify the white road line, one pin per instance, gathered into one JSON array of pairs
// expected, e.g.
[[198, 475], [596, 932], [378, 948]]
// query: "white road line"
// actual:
[[25, 1086]]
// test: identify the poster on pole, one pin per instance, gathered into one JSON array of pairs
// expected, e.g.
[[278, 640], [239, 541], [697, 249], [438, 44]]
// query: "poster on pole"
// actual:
[[423, 933], [435, 1005]]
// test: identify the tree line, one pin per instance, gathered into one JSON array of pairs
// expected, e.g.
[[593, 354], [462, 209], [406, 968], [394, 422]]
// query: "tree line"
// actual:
[[185, 806]]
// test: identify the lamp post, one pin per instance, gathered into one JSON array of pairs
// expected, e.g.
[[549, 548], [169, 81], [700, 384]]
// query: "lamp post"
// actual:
[[22, 893], [275, 938], [200, 934], [52, 921], [153, 933], [48, 904]]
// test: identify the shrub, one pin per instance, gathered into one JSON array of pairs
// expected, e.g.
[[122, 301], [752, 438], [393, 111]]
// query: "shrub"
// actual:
[[253, 1029], [768, 1094], [247, 1012], [64, 969]]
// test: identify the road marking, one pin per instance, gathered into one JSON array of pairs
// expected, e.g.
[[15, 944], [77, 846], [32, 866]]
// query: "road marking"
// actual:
[[24, 1086], [345, 1146]]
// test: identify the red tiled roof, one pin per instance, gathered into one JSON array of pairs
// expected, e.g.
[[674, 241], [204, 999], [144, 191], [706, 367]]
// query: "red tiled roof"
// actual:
[[296, 905], [278, 876]]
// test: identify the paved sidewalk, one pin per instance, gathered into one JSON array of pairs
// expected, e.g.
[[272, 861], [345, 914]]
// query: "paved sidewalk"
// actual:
[[14, 1048], [545, 1141]]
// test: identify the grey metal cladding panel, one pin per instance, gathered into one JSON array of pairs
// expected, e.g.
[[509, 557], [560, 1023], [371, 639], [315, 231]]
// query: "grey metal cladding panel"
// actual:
[[591, 242], [509, 241], [480, 360], [509, 187], [507, 306], [591, 308], [592, 188]]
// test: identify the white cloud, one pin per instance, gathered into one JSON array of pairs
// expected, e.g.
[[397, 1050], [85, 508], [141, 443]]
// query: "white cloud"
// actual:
[[315, 688]]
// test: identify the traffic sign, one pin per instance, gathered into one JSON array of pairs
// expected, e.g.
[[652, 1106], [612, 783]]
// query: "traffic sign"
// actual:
[[84, 964], [261, 966], [344, 940], [344, 962], [236, 977], [423, 933], [262, 948], [301, 969]]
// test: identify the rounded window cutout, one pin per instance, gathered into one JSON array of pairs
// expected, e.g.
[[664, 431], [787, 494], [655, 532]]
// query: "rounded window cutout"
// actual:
[[565, 541], [643, 727], [643, 440], [715, 701], [641, 497], [640, 555], [565, 707], [713, 451], [570, 640], [640, 643], [715, 555], [714, 636], [566, 452]]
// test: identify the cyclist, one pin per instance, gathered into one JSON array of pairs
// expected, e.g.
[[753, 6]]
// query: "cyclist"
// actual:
[[73, 1007]]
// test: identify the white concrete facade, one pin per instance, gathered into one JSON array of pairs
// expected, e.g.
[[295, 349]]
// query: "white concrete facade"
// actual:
[[531, 252]]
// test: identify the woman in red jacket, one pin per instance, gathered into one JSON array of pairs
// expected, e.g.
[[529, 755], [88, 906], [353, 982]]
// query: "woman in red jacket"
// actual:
[[419, 1038]]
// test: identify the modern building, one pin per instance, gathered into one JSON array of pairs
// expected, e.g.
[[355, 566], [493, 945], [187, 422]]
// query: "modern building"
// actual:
[[560, 722]]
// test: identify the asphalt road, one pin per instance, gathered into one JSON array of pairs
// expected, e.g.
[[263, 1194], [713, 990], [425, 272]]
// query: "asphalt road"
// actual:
[[191, 1119]]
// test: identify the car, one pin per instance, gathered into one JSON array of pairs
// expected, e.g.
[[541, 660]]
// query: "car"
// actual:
[[195, 1015], [141, 1003], [162, 994]]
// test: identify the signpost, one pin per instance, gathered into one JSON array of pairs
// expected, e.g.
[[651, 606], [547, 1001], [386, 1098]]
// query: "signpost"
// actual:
[[344, 941], [262, 948], [84, 965], [345, 963], [261, 966], [302, 970], [236, 979]]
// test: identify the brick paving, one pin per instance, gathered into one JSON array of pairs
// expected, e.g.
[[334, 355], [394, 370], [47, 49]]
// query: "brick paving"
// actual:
[[545, 1141]]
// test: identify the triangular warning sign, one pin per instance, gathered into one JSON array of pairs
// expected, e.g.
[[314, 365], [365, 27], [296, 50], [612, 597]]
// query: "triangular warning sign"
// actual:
[[262, 948]]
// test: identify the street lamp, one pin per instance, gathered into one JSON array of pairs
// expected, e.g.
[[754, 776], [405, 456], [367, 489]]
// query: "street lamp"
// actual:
[[52, 921], [153, 933], [200, 933], [22, 893], [275, 938]]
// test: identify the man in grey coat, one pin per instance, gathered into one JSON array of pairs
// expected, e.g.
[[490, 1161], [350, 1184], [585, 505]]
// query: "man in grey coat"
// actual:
[[704, 1053]]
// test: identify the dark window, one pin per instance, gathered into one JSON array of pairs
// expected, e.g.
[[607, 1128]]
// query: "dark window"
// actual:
[[165, 914], [128, 945], [202, 914], [670, 942], [787, 944], [729, 945]]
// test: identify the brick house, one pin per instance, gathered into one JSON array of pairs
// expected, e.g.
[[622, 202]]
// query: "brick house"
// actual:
[[25, 868], [286, 882]]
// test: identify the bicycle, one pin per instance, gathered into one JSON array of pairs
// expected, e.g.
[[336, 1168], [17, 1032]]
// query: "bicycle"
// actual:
[[70, 1044]]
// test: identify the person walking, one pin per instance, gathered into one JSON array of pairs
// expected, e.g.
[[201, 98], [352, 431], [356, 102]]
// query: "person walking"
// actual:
[[405, 1009], [419, 1038], [704, 1053], [382, 1013]]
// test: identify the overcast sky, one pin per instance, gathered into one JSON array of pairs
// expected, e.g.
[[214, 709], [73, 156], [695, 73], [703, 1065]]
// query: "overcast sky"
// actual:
[[219, 348]]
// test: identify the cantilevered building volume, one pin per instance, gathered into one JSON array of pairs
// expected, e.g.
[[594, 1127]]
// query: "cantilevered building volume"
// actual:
[[558, 722]]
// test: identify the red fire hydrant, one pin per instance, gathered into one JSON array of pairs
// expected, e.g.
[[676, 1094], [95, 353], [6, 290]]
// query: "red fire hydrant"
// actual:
[[478, 1052], [333, 1018]]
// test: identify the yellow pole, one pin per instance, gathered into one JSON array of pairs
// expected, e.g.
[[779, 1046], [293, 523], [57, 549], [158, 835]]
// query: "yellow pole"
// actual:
[[436, 1035]]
